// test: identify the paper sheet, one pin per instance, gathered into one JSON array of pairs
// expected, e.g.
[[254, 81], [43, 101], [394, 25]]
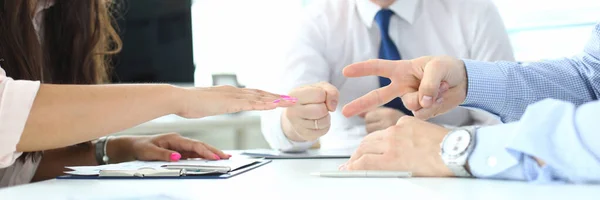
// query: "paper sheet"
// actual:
[[135, 165]]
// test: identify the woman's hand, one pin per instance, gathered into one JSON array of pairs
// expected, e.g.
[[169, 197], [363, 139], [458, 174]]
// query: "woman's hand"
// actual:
[[202, 102], [163, 147]]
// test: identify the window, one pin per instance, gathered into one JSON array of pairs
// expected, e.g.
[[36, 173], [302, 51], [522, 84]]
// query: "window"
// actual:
[[241, 37], [541, 29]]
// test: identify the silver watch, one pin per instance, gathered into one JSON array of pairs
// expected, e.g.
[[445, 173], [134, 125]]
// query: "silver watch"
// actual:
[[456, 148]]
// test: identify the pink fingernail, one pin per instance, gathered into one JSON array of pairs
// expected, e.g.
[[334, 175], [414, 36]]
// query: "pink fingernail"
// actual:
[[175, 156], [290, 99], [217, 157], [229, 155], [285, 96], [277, 101]]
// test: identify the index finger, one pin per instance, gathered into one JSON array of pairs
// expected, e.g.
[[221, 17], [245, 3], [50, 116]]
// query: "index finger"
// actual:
[[376, 67], [369, 101]]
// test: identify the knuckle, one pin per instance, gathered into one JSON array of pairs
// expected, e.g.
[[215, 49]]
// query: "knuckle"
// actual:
[[392, 129], [436, 62], [404, 120], [377, 96]]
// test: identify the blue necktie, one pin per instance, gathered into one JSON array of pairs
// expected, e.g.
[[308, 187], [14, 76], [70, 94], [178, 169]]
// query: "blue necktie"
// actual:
[[388, 51]]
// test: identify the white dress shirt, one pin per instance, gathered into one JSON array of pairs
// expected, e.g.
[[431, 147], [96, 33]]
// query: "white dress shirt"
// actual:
[[336, 33]]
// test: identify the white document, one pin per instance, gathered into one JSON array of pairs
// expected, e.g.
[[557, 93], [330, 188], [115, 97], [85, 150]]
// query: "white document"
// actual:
[[191, 165]]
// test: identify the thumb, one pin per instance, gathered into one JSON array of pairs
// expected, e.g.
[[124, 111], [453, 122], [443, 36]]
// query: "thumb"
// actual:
[[433, 75], [157, 153], [332, 96]]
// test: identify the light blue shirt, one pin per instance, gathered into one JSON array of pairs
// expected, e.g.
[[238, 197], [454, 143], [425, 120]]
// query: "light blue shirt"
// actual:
[[562, 128]]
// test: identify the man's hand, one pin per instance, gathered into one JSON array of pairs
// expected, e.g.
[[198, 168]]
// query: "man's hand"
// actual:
[[411, 145], [428, 86], [309, 119], [381, 118]]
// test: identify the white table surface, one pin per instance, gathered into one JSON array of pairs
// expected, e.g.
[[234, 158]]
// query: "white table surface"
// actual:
[[290, 179]]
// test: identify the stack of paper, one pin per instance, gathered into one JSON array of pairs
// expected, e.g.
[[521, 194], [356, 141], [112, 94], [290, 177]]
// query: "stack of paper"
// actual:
[[190, 166]]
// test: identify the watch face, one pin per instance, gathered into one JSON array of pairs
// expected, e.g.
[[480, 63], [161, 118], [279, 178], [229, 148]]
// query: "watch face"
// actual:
[[456, 143]]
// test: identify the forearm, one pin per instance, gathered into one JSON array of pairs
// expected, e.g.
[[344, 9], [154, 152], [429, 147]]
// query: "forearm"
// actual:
[[63, 115], [554, 141], [507, 88], [54, 161]]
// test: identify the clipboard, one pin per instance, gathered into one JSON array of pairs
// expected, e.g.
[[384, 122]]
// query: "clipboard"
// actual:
[[168, 173]]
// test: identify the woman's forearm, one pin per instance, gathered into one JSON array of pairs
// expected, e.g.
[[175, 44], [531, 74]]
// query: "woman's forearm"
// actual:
[[54, 161], [64, 115]]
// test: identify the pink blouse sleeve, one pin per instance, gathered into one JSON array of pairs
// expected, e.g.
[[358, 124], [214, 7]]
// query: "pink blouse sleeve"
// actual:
[[16, 99]]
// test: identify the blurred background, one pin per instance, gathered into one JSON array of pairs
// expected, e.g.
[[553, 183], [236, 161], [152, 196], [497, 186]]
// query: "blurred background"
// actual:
[[235, 42]]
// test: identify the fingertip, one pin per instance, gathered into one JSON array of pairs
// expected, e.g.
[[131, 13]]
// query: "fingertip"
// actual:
[[426, 101], [222, 155], [422, 114], [175, 156], [347, 70], [333, 105], [346, 111]]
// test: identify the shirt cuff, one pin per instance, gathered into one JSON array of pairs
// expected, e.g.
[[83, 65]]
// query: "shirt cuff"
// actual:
[[271, 123], [16, 101], [490, 158], [486, 87], [494, 158]]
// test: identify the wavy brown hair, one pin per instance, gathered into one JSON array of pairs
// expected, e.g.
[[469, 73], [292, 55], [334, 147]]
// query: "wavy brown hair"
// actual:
[[75, 47], [78, 39]]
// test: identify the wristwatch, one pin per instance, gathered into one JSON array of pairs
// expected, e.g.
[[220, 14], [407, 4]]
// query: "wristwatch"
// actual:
[[456, 148], [101, 156]]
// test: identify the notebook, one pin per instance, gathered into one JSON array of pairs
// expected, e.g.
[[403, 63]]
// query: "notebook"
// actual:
[[184, 169], [308, 154]]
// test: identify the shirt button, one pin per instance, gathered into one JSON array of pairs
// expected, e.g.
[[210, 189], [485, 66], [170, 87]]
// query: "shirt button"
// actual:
[[492, 161]]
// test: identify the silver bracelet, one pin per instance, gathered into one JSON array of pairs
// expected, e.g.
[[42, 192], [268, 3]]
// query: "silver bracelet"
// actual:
[[101, 156]]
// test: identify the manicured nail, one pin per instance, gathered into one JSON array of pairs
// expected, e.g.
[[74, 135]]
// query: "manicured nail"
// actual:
[[285, 96], [426, 101], [334, 104], [342, 167], [228, 155], [290, 99], [175, 156], [216, 157], [277, 101], [440, 100]]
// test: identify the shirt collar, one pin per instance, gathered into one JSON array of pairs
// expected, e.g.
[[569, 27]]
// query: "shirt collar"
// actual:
[[406, 9]]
